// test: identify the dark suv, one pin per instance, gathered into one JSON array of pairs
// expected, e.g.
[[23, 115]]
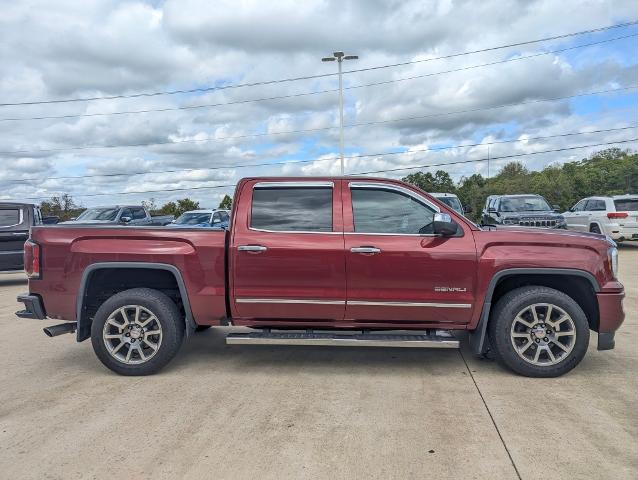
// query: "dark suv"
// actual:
[[15, 221], [526, 210]]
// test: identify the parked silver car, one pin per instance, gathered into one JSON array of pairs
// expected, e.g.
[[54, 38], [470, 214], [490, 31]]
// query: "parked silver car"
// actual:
[[615, 216]]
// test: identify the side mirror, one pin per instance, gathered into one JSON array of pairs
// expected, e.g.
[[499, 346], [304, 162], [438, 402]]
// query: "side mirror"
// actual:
[[125, 219], [444, 225], [73, 218], [556, 208], [467, 209], [572, 209]]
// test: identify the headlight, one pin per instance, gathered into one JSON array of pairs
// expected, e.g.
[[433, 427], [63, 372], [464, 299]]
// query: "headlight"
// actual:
[[612, 254]]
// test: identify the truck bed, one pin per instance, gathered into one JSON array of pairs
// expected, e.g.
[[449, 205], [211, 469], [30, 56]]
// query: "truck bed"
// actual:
[[196, 255]]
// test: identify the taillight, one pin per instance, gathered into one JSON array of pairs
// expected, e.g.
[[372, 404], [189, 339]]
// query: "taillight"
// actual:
[[617, 215], [32, 259]]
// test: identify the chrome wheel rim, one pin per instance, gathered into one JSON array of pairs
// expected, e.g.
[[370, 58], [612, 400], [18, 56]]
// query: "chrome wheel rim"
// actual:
[[132, 334], [543, 334]]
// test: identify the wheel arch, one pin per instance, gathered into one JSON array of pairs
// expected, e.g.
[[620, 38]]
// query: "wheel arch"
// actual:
[[598, 224], [552, 277], [83, 320]]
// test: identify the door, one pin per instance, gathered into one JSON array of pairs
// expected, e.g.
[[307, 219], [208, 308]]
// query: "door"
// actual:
[[139, 217], [397, 270], [595, 213], [576, 218], [287, 255]]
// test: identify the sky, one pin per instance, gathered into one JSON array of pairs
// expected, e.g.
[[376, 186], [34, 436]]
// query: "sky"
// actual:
[[418, 114]]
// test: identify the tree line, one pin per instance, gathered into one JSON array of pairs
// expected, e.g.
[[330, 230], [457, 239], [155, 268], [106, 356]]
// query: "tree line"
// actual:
[[607, 172], [65, 208]]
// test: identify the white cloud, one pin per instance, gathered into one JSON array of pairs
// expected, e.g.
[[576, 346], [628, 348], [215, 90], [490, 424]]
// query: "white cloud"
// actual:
[[106, 47]]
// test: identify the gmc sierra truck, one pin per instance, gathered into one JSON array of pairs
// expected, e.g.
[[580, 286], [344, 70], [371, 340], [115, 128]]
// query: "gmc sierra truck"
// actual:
[[329, 261]]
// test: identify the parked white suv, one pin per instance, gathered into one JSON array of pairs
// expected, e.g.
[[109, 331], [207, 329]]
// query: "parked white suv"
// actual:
[[615, 216]]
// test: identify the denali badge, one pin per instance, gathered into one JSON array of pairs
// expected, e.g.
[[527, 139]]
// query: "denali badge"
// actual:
[[450, 289]]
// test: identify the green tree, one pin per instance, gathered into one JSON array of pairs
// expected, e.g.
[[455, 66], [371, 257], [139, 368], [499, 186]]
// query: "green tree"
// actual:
[[62, 206], [226, 202], [439, 182], [178, 207], [607, 172]]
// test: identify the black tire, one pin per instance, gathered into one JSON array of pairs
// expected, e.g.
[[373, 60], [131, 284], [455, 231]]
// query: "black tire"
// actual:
[[202, 328], [594, 228], [167, 316], [504, 315]]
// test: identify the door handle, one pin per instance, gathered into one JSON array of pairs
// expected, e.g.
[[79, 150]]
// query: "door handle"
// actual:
[[369, 250], [252, 248]]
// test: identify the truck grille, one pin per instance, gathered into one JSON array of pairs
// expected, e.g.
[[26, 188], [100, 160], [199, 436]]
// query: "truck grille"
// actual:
[[537, 222]]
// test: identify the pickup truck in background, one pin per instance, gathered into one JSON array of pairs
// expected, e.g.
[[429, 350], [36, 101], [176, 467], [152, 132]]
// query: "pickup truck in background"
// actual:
[[120, 214], [15, 221], [329, 261], [203, 218]]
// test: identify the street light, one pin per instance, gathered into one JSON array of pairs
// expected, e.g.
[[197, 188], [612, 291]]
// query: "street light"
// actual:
[[340, 57]]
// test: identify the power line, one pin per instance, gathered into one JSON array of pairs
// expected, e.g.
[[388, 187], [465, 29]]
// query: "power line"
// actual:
[[292, 162], [492, 158], [519, 44], [168, 109], [359, 173], [211, 105], [311, 77], [310, 130], [498, 62]]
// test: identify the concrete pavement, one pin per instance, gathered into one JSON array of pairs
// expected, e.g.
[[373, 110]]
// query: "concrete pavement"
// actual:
[[293, 412]]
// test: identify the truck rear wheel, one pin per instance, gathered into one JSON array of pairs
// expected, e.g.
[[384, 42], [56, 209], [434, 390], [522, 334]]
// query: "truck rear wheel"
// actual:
[[137, 331], [538, 332]]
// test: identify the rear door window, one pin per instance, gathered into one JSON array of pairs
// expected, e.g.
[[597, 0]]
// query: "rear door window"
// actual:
[[626, 204], [292, 209], [595, 206], [9, 217]]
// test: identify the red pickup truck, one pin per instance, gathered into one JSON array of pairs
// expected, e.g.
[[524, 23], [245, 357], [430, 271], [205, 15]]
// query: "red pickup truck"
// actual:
[[329, 261]]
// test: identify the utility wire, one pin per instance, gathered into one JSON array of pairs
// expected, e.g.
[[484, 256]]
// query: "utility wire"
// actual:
[[210, 105], [498, 62], [310, 77], [310, 130], [359, 173], [517, 155], [170, 109], [292, 162]]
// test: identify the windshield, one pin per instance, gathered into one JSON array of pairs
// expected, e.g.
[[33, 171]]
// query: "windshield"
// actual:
[[193, 218], [99, 214], [626, 204], [524, 204], [452, 202]]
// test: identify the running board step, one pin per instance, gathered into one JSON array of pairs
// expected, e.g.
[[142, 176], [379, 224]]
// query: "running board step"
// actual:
[[436, 339]]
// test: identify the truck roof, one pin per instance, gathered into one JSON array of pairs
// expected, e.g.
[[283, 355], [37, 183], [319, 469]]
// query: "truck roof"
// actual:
[[15, 204], [321, 178], [117, 206]]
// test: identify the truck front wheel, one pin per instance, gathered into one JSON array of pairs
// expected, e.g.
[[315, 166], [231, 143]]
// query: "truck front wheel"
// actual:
[[538, 332], [137, 331]]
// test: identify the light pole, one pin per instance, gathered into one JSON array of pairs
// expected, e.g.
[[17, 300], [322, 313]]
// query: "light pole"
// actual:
[[340, 57]]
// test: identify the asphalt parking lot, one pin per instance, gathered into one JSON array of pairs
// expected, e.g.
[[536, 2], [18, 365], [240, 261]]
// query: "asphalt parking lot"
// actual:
[[233, 412]]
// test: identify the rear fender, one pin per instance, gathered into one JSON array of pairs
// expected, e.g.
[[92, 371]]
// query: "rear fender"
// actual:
[[84, 323]]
